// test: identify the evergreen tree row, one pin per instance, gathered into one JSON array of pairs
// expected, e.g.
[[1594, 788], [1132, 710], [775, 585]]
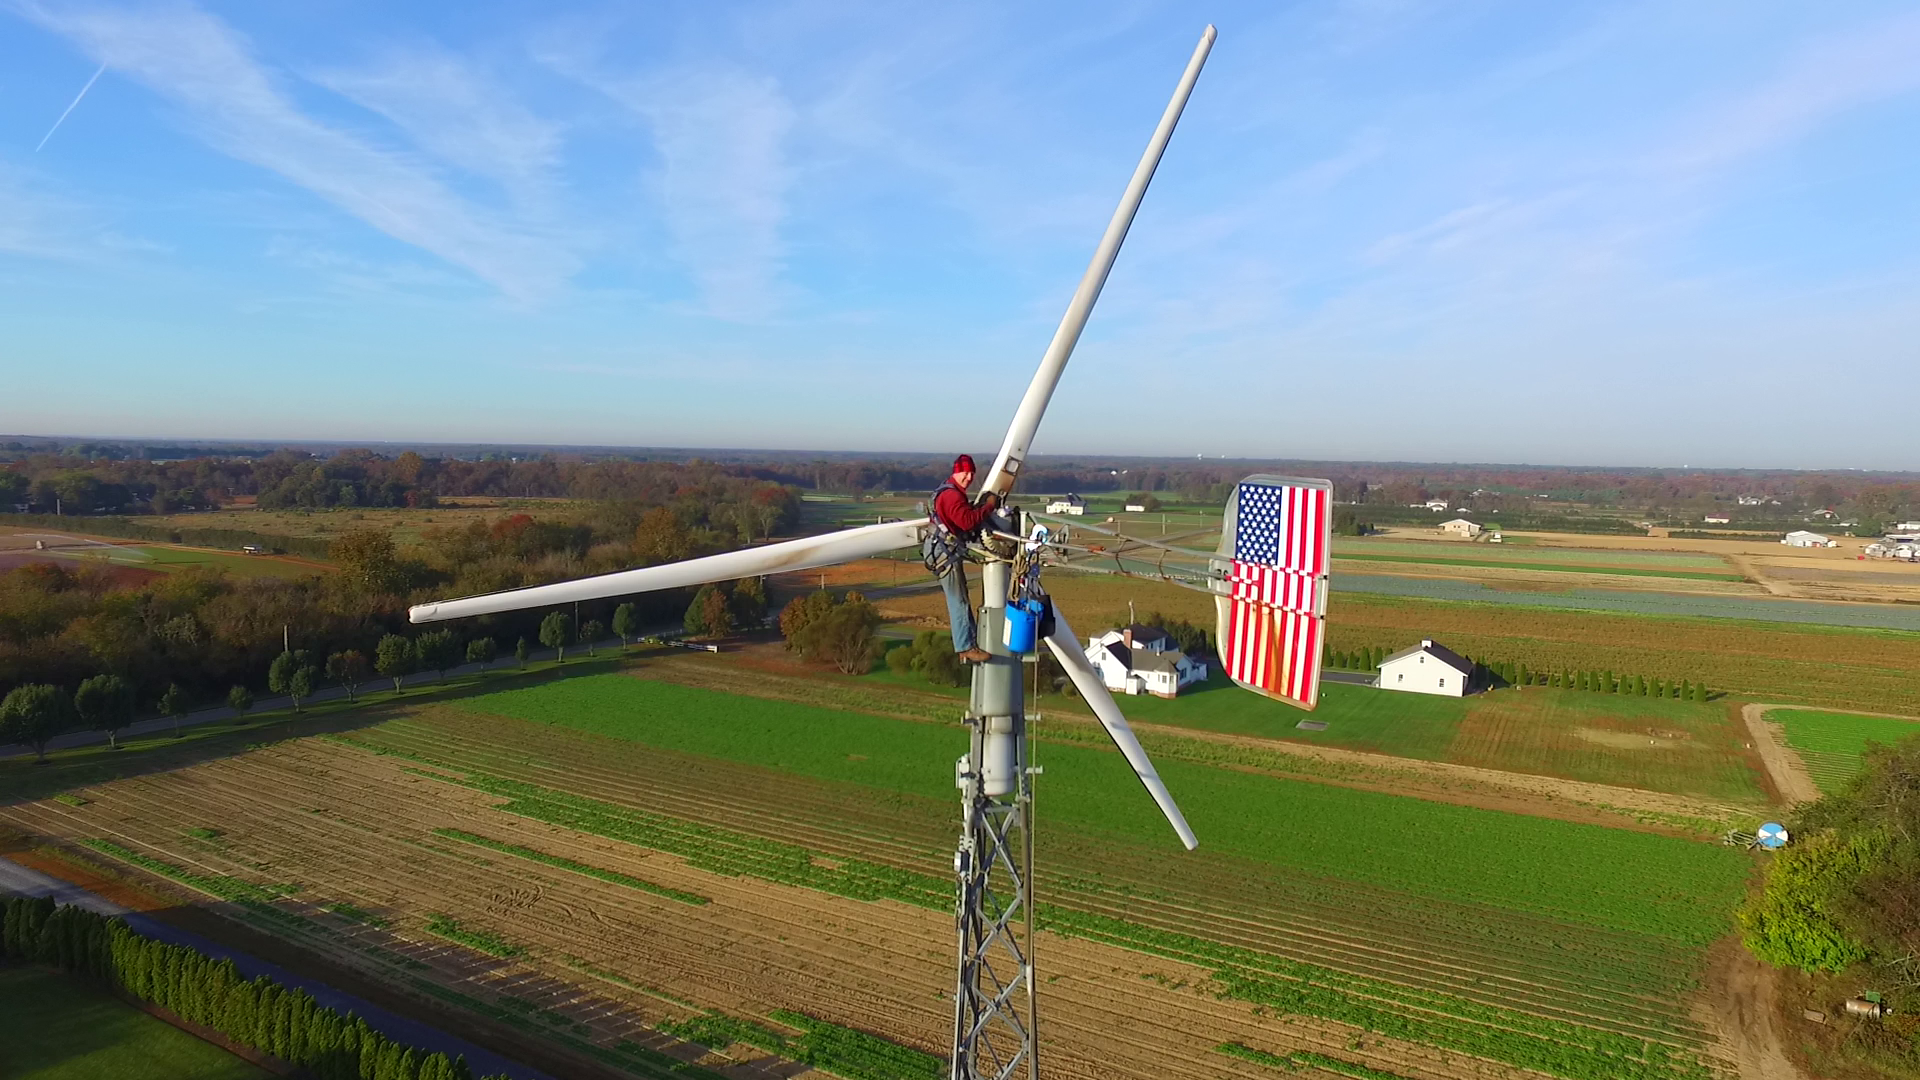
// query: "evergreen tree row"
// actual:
[[287, 1024], [1509, 673]]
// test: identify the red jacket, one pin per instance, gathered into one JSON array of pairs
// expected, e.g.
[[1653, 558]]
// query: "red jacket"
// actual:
[[958, 513]]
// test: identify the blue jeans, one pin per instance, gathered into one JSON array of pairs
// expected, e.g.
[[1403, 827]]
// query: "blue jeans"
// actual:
[[959, 608]]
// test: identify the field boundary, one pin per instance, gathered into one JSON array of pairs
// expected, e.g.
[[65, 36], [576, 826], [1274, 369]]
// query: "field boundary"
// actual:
[[1784, 765]]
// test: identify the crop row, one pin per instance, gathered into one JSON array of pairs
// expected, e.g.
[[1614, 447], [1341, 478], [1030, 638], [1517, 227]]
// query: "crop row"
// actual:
[[1442, 1020], [1298, 1058], [1416, 1016], [842, 1051], [628, 1056], [448, 927], [1608, 972], [717, 851], [231, 889], [564, 863]]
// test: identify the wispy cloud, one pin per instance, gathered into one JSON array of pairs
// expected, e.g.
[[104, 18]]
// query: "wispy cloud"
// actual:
[[1829, 76], [235, 104], [457, 113], [722, 178]]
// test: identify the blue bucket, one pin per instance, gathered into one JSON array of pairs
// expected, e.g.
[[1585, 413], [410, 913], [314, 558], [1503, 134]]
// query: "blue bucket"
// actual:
[[1023, 625]]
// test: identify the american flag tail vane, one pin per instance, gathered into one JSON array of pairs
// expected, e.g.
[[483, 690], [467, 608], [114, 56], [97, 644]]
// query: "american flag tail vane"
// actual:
[[1271, 586]]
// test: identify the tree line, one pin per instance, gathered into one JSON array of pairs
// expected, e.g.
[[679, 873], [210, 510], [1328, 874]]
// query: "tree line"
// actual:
[[1841, 904], [260, 1014], [207, 632]]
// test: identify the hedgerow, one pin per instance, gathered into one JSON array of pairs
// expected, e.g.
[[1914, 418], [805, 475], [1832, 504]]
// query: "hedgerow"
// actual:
[[1298, 1058]]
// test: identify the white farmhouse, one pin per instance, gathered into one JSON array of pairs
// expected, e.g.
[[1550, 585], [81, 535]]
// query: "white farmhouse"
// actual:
[[1438, 506], [1719, 519], [1136, 508], [1072, 505], [1460, 527], [1803, 538], [1426, 669], [1142, 660]]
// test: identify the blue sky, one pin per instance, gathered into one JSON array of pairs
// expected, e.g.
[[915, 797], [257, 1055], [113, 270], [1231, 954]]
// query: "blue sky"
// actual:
[[1633, 233]]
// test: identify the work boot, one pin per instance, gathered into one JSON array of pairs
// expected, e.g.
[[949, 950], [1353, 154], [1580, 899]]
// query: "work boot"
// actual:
[[975, 655]]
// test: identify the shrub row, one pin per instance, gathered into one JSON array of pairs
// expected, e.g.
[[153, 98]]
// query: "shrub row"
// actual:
[[1515, 674], [1305, 1059], [447, 927], [260, 1014]]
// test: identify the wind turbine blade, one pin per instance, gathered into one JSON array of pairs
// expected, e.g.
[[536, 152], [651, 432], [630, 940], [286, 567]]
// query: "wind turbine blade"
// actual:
[[1026, 419], [1066, 648], [805, 553]]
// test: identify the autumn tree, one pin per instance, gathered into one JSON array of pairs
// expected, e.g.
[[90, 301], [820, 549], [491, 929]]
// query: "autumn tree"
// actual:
[[709, 615], [748, 602], [34, 714], [349, 669], [395, 658], [591, 631], [481, 650], [366, 558], [556, 632], [240, 700], [661, 538], [799, 613], [438, 650], [844, 637], [300, 687], [173, 703], [105, 703]]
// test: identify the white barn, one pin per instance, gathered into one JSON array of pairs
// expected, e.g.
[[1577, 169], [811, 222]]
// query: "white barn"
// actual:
[[1461, 527], [1073, 505], [1140, 659], [1427, 669], [1803, 538]]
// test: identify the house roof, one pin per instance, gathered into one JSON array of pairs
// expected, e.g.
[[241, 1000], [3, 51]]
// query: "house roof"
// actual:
[[1439, 652], [1146, 635], [1459, 521], [1157, 661]]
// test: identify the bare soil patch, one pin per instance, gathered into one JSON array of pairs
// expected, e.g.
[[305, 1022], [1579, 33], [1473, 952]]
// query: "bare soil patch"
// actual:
[[1743, 993]]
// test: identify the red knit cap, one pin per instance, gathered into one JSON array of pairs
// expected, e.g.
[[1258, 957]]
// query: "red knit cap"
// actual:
[[963, 463]]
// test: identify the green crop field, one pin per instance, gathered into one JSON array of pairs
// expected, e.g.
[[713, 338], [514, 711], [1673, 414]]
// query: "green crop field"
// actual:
[[1661, 745], [574, 827], [55, 1027], [1650, 884], [1831, 742]]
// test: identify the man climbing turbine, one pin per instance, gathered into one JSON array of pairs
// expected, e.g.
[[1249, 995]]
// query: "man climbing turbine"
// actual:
[[956, 520]]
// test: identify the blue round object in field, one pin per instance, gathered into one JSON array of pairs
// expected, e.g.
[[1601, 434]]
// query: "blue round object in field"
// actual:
[[1772, 835]]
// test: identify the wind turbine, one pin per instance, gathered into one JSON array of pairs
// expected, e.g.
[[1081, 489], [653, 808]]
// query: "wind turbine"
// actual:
[[1259, 584]]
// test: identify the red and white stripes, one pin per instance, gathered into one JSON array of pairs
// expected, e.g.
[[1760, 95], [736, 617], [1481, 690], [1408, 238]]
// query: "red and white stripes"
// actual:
[[1274, 613]]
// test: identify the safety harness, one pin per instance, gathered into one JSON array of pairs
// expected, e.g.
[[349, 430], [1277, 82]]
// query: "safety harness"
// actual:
[[942, 549]]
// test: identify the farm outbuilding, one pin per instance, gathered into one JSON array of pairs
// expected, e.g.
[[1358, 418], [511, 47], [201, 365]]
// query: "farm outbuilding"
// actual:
[[1460, 527], [1072, 505], [1803, 538], [1427, 668]]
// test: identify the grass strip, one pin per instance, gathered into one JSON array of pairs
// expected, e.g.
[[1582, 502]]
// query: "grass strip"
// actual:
[[354, 914], [1509, 564], [629, 1057], [447, 927], [245, 894], [69, 799], [829, 1047], [565, 863], [1307, 1058]]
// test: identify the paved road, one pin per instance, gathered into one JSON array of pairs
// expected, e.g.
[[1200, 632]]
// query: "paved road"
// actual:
[[15, 878], [1351, 678]]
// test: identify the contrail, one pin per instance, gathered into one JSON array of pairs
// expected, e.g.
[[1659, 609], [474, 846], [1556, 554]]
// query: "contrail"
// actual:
[[76, 101]]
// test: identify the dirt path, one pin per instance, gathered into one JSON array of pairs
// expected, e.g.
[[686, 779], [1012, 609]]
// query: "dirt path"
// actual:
[[1456, 783], [1784, 767], [1741, 991]]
